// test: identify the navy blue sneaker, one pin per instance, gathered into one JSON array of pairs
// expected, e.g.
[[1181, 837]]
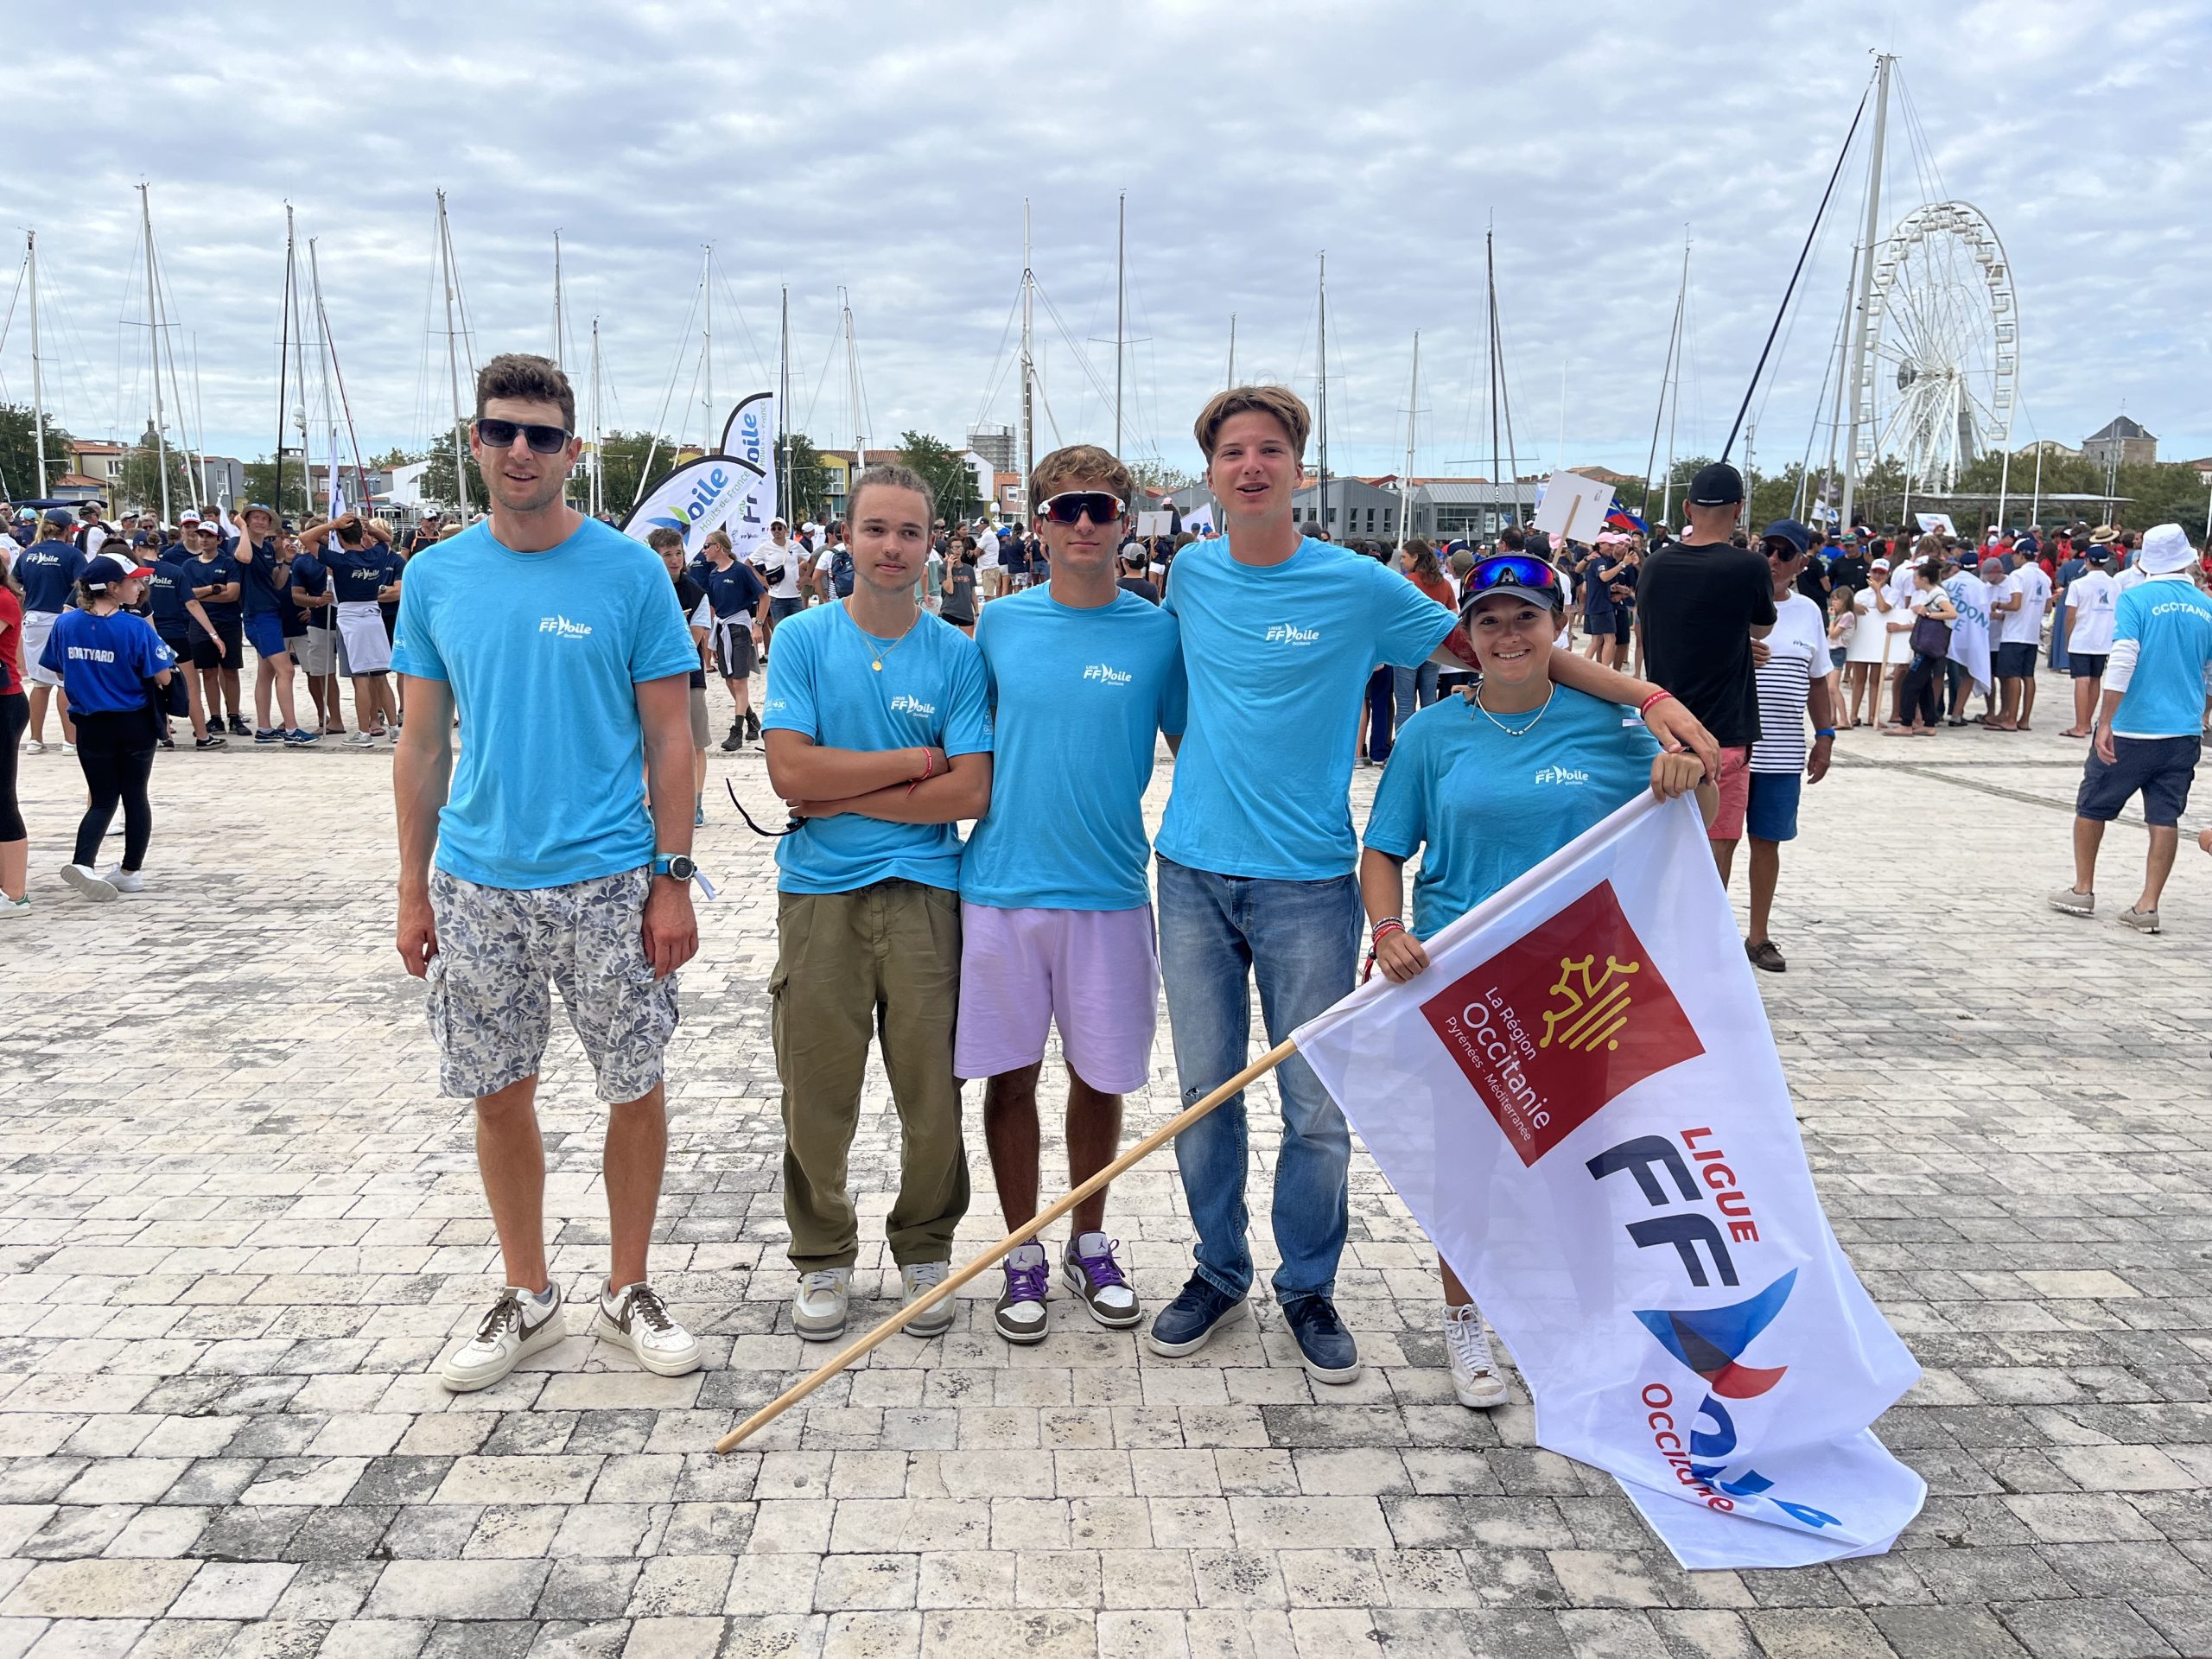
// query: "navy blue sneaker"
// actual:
[[1324, 1346], [1185, 1323], [269, 734]]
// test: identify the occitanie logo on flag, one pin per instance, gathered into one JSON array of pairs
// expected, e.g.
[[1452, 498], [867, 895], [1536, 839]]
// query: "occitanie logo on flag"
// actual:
[[1571, 1014]]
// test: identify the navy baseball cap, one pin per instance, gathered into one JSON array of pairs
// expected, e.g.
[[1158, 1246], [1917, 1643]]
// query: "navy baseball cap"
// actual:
[[1789, 530]]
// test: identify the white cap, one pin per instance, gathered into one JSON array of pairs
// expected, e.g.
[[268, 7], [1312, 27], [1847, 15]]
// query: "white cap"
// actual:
[[2166, 550]]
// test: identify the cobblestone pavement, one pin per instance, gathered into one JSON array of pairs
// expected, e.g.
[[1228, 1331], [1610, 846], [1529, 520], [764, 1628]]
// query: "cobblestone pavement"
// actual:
[[239, 1224]]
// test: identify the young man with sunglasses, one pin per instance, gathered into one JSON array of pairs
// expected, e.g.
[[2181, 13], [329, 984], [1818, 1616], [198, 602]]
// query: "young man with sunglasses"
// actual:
[[879, 736], [1280, 632], [1056, 913], [560, 642]]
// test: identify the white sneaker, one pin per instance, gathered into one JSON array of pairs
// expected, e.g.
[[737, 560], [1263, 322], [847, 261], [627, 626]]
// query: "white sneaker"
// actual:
[[34, 747], [1475, 1379], [360, 741], [68, 747], [124, 881], [642, 1323], [18, 910], [518, 1326], [917, 1280], [824, 1296], [86, 881]]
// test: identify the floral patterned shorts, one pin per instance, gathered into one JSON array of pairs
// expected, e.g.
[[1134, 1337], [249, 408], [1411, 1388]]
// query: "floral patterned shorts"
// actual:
[[499, 949]]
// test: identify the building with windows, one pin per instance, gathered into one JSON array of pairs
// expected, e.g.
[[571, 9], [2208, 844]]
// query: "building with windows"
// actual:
[[994, 443], [2121, 442]]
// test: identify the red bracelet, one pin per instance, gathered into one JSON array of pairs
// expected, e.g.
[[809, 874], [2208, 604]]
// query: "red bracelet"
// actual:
[[929, 770], [1388, 924], [1644, 707]]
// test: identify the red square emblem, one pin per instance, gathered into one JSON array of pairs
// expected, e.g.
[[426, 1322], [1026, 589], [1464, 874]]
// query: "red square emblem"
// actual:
[[1555, 1025]]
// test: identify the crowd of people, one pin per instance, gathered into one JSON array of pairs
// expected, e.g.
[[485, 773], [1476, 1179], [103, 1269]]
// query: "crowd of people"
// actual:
[[916, 688]]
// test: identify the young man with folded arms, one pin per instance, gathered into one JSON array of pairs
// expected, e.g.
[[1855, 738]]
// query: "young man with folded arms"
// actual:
[[879, 734], [1280, 634]]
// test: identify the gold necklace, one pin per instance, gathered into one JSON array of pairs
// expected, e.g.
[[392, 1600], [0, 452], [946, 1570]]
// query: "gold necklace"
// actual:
[[875, 656]]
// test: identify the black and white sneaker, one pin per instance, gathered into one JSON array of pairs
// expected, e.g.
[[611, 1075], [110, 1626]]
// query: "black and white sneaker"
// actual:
[[518, 1326], [637, 1319]]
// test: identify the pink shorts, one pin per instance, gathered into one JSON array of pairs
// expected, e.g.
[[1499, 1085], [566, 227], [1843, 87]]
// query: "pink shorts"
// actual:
[[1735, 781], [1096, 972]]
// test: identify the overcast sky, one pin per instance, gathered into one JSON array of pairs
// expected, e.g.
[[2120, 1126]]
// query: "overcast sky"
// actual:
[[887, 148]]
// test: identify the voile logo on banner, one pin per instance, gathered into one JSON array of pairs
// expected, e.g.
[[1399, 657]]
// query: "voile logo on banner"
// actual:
[[1560, 1021]]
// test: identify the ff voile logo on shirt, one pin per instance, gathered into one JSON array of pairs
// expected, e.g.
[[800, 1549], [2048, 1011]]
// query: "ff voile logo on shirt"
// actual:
[[1285, 633], [561, 627], [904, 704], [1106, 676]]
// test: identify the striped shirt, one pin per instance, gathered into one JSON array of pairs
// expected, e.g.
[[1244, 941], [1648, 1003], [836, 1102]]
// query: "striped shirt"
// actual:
[[1797, 646]]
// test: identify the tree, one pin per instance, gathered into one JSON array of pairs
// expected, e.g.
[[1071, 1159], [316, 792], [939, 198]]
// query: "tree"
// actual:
[[19, 454], [139, 484], [1155, 474], [622, 462], [438, 477], [261, 486], [395, 458], [806, 479], [949, 478]]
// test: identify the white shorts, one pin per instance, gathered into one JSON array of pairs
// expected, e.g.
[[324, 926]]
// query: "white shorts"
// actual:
[[37, 626], [1094, 973], [360, 624]]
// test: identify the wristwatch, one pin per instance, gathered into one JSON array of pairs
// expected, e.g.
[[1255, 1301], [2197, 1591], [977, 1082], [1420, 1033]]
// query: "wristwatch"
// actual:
[[678, 865]]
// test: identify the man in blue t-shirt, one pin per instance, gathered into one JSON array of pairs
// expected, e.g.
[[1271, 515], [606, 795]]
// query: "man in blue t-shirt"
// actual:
[[1056, 915], [2150, 724], [739, 601], [308, 592], [879, 734], [559, 642], [175, 613], [48, 570], [263, 574], [212, 577], [1280, 632]]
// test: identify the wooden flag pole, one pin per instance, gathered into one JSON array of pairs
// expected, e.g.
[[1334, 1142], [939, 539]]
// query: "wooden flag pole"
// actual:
[[882, 1333]]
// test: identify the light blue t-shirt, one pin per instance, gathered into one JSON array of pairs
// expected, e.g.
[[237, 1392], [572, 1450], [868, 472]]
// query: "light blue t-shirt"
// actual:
[[1278, 656], [1482, 807], [930, 695], [1079, 698], [543, 651], [2173, 622]]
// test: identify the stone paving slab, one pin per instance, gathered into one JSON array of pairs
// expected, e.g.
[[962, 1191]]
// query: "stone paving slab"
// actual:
[[238, 1225]]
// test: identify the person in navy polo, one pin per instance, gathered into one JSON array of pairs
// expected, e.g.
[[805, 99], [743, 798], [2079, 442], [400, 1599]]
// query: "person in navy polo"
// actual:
[[48, 569]]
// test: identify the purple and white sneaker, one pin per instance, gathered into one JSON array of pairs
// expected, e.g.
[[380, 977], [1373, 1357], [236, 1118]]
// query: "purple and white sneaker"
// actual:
[[1020, 1315], [1092, 1273]]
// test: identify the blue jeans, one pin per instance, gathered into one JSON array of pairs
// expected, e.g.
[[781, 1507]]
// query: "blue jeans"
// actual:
[[1300, 939], [1416, 690], [1382, 698]]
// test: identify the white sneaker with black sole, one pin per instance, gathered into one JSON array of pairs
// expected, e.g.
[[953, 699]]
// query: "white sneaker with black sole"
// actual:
[[635, 1318], [824, 1298], [519, 1326], [916, 1280]]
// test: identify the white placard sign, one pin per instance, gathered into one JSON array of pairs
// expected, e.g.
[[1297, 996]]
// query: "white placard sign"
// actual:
[[1573, 506]]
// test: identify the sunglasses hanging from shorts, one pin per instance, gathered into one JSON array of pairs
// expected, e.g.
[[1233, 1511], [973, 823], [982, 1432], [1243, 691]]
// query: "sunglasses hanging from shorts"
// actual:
[[500, 435], [791, 828], [1068, 508]]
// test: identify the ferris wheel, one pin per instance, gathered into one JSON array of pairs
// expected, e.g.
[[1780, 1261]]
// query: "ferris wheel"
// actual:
[[1940, 375]]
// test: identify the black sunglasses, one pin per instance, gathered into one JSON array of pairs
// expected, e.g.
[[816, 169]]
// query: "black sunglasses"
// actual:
[[500, 435], [1068, 508]]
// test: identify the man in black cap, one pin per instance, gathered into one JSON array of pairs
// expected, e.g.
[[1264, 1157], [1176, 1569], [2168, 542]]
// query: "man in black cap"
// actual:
[[1700, 603]]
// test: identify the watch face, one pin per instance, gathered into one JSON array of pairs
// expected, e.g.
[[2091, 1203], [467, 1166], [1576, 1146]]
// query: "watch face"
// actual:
[[681, 868]]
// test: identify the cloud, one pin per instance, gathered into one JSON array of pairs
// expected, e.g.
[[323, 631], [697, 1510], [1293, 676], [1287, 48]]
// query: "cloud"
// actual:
[[887, 149]]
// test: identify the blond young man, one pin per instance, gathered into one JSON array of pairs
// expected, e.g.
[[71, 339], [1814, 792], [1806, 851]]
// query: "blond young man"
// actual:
[[1056, 910], [1280, 632]]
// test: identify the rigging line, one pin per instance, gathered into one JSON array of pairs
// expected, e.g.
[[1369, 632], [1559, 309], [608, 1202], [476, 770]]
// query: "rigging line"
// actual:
[[1002, 361], [1789, 330], [822, 376], [1790, 291], [682, 349], [1082, 361], [744, 327], [4, 321]]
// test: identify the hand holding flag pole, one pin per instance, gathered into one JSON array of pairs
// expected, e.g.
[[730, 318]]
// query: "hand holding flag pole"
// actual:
[[998, 1252]]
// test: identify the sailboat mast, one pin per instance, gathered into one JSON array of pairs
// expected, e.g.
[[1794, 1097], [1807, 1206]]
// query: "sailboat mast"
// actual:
[[1489, 312], [1321, 387], [852, 379], [329, 357], [1671, 393], [1859, 387], [783, 491], [283, 357], [299, 418], [1028, 370], [453, 362], [595, 475], [1121, 298], [1232, 348], [1413, 415], [153, 345], [560, 329], [38, 382], [706, 354]]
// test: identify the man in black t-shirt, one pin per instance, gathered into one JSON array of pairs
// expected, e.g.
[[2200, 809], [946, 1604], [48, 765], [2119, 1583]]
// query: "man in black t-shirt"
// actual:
[[1700, 602]]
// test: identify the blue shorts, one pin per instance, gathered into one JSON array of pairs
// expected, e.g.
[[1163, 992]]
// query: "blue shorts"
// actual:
[[2016, 660], [266, 631], [2086, 667], [1771, 811], [2160, 768]]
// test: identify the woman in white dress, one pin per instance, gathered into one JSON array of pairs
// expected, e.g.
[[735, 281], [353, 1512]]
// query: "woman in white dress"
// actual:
[[1869, 648]]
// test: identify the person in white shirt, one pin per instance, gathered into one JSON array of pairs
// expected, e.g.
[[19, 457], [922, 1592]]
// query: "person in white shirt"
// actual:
[[1791, 668], [987, 561], [2020, 631], [2089, 602], [2001, 598], [784, 569]]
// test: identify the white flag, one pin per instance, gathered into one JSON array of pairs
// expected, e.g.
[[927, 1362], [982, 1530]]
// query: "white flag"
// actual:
[[1580, 1102], [1970, 633], [716, 491]]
